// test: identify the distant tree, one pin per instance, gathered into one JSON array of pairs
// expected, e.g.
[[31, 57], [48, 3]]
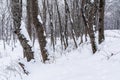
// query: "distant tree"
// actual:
[[60, 24], [71, 23], [50, 11]]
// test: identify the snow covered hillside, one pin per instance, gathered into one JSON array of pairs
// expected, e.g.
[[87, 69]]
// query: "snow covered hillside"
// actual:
[[74, 64]]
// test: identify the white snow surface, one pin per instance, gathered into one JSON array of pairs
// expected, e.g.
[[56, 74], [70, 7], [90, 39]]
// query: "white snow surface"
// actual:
[[73, 64]]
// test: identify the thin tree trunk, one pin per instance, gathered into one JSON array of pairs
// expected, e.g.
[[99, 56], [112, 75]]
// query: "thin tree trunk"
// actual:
[[71, 22], [44, 15], [66, 25], [50, 11], [60, 24], [101, 21], [29, 22]]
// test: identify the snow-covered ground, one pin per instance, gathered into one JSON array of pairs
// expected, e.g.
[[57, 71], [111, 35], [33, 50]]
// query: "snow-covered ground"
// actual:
[[74, 64]]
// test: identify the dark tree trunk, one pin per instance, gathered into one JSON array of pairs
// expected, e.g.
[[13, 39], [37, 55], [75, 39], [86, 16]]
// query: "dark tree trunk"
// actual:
[[89, 22], [66, 24], [16, 9], [101, 21], [29, 22], [39, 30]]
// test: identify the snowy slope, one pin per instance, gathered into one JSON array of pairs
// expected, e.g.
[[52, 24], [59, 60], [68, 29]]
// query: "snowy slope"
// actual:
[[80, 64], [75, 64]]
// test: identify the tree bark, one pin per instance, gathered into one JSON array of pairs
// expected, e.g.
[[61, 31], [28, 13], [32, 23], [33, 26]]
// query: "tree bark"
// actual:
[[29, 22], [89, 21], [39, 30], [16, 9], [101, 21]]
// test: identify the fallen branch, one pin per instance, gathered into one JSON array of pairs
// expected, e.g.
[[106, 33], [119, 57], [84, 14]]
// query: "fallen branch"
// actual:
[[23, 67]]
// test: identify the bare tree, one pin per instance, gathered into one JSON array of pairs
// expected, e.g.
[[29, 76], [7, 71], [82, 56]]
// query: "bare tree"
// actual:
[[71, 22], [29, 19], [60, 25], [44, 14], [39, 30], [66, 24], [17, 14], [16, 9], [89, 21], [50, 11], [101, 21]]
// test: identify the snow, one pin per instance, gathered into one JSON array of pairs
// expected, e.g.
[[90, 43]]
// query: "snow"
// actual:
[[73, 64], [39, 18], [92, 1]]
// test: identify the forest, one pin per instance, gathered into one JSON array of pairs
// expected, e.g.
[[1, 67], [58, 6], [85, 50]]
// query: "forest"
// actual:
[[59, 39]]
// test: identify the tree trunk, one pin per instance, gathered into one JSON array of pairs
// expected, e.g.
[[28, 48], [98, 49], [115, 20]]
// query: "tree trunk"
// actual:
[[101, 21], [66, 25], [50, 11], [71, 22], [60, 24], [29, 22], [89, 21], [39, 30], [16, 9]]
